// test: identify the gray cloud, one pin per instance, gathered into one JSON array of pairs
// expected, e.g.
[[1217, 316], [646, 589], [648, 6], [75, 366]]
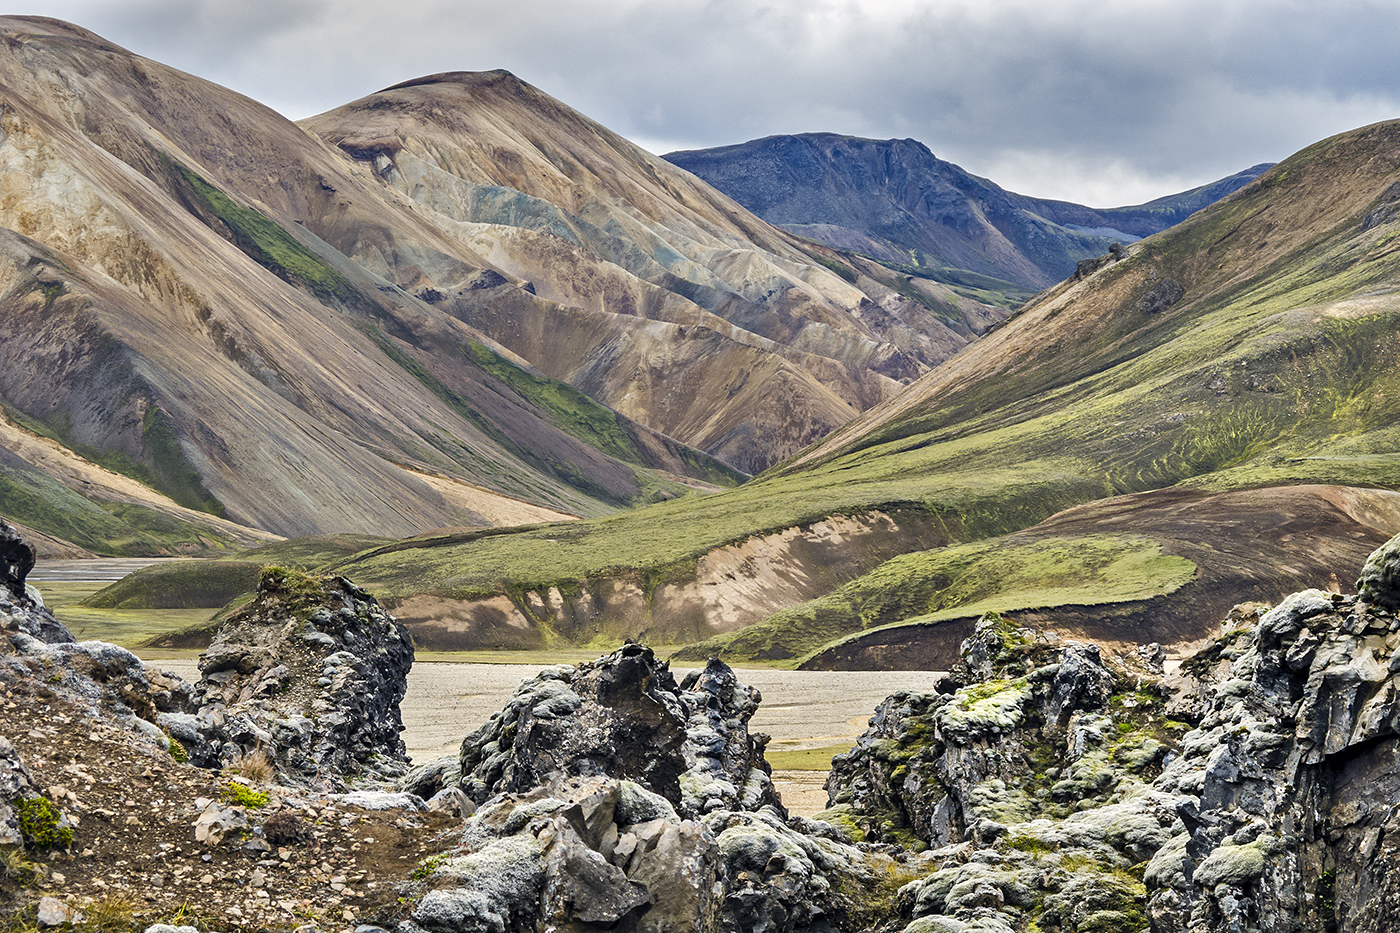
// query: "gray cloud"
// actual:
[[1096, 102]]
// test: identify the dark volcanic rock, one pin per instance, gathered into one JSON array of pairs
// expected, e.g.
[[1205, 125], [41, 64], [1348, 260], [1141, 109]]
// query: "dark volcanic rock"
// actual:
[[1380, 578], [922, 771], [582, 854], [625, 717], [1160, 297], [1276, 813], [312, 673], [1289, 819], [16, 560], [613, 798], [106, 679], [21, 608]]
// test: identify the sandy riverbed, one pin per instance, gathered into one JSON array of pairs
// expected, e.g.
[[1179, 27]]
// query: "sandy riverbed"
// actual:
[[800, 709]]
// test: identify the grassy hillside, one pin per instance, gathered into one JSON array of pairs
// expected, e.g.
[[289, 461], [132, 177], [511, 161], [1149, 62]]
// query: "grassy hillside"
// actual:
[[960, 582]]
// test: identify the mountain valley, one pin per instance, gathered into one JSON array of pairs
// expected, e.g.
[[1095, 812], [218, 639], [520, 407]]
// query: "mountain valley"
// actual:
[[1104, 503], [527, 355], [1247, 353], [309, 333]]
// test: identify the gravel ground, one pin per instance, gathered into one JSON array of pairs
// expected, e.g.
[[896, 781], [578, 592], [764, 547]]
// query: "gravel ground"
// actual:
[[800, 709]]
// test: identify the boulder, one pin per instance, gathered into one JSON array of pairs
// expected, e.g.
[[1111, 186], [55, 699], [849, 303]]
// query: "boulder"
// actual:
[[938, 768], [311, 673], [624, 716], [610, 797], [595, 852], [21, 610], [16, 560], [1380, 578]]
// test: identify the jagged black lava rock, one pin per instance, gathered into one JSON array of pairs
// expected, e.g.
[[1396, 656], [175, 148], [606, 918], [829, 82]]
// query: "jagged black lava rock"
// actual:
[[311, 673], [624, 716]]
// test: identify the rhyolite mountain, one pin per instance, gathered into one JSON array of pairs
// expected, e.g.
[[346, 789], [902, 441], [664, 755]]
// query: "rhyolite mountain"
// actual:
[[895, 200], [1207, 416], [456, 302]]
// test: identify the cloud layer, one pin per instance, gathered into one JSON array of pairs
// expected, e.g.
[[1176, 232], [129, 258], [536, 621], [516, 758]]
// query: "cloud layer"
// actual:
[[1101, 103]]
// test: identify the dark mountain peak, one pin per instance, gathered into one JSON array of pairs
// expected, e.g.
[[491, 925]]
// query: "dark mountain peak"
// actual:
[[895, 200]]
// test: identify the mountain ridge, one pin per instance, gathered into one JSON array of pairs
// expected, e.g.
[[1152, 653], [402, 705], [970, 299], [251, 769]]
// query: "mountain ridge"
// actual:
[[895, 200]]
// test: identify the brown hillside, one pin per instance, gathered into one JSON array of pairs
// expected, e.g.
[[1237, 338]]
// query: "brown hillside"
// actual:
[[305, 337]]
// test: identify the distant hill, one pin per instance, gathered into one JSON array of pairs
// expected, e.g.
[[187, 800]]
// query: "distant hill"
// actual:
[[895, 200]]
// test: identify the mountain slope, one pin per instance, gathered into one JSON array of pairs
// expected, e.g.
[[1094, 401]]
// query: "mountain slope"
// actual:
[[653, 277], [1254, 348], [893, 199], [235, 362], [257, 323]]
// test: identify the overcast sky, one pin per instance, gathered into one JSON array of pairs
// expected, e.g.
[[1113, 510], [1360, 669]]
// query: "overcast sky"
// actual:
[[1101, 102]]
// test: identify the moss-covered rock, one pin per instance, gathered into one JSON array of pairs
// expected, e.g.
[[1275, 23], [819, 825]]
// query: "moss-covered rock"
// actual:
[[1380, 578]]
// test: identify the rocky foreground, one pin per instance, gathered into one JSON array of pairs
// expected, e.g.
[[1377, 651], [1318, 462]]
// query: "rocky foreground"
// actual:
[[1040, 786]]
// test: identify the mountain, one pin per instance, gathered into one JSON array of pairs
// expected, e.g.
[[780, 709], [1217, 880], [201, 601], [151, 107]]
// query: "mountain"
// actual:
[[456, 302], [894, 200], [1207, 416]]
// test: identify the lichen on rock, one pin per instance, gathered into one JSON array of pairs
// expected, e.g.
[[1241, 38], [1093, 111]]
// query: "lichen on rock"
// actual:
[[311, 673], [1097, 810], [625, 716]]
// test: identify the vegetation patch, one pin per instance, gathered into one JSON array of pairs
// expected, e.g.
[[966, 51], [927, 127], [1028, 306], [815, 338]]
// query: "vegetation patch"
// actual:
[[42, 824], [965, 581], [130, 628], [480, 563], [311, 552], [116, 529], [244, 796], [571, 474], [170, 470], [204, 584], [573, 412], [297, 593], [266, 242], [804, 759], [834, 265]]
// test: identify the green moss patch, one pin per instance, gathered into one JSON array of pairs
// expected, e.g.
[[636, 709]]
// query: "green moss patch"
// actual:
[[116, 529], [296, 592], [244, 796], [572, 411], [265, 241], [42, 824]]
